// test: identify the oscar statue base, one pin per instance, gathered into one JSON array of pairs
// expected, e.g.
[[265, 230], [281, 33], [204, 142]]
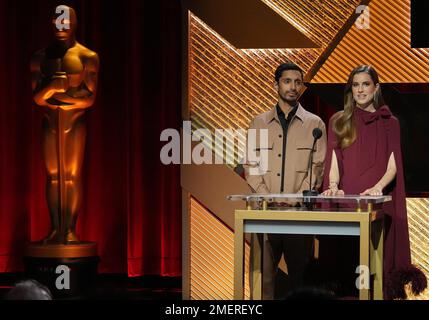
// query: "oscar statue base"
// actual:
[[67, 270]]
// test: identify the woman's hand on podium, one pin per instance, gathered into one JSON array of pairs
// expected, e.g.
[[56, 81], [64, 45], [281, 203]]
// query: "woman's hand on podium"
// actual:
[[333, 190], [374, 191]]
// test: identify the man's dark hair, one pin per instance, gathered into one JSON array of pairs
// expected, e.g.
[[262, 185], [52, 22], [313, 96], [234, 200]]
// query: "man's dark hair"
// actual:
[[284, 67]]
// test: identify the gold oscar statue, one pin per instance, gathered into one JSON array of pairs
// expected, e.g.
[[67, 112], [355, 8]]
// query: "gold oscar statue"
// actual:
[[64, 83]]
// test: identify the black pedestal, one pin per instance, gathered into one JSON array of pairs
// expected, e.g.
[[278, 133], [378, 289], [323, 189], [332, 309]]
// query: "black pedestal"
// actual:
[[69, 276]]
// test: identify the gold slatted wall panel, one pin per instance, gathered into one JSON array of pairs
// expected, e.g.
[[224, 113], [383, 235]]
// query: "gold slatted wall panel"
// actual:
[[229, 86], [418, 224], [319, 20], [212, 257], [385, 45]]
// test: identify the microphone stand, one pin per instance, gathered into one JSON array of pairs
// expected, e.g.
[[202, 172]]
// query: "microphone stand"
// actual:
[[311, 192]]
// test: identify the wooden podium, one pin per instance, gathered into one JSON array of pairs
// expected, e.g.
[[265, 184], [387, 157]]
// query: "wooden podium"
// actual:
[[362, 217]]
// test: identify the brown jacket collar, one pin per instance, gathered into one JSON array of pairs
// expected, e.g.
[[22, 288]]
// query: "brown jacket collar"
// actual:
[[272, 114]]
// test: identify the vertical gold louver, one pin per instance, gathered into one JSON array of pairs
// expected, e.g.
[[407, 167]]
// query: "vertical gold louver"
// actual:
[[418, 224], [212, 257]]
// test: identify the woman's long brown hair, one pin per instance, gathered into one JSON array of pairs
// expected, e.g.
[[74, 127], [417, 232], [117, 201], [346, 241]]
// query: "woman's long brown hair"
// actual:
[[343, 123]]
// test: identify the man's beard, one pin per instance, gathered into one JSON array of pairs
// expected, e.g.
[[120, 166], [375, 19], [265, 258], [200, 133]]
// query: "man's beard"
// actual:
[[291, 102]]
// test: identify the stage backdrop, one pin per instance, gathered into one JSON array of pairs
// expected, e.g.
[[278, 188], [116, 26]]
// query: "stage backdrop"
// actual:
[[230, 68], [131, 201]]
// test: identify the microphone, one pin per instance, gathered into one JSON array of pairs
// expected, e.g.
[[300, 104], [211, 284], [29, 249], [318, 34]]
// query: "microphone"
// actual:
[[317, 133]]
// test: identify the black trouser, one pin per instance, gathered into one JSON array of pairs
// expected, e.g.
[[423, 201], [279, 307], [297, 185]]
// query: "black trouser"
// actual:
[[297, 250], [338, 259]]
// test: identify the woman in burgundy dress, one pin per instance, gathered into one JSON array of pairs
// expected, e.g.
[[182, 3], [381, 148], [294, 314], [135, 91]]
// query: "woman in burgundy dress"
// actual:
[[364, 158]]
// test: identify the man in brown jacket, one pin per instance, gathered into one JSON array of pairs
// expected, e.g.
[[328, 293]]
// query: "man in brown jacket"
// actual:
[[290, 140]]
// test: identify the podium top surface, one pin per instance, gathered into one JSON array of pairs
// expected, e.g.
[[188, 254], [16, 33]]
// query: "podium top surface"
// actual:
[[298, 197]]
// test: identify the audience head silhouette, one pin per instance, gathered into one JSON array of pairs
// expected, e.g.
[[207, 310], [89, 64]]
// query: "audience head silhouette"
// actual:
[[29, 290]]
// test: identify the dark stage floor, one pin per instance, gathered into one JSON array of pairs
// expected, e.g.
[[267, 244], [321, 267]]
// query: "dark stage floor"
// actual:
[[117, 286]]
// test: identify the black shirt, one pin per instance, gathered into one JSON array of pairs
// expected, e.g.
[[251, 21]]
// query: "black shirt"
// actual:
[[285, 125]]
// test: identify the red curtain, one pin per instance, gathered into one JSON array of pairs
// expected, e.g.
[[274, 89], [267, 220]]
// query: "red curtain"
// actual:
[[132, 203]]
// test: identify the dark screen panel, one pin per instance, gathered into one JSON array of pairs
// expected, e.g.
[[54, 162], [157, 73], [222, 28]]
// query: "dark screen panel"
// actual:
[[419, 24]]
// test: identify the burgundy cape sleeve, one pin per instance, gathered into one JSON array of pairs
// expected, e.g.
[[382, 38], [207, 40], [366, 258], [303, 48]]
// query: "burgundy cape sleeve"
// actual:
[[397, 244]]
